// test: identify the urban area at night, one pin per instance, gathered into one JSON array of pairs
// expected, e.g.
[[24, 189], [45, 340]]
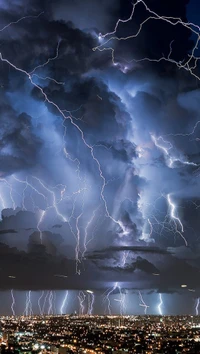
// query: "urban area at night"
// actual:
[[100, 334]]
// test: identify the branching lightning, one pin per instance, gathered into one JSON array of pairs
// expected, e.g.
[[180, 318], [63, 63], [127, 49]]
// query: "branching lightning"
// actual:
[[39, 305], [47, 62], [28, 306], [81, 298], [91, 148], [44, 303], [106, 298], [50, 308], [188, 64], [177, 221], [121, 300], [142, 302], [87, 240], [125, 256], [166, 147], [170, 222], [63, 305]]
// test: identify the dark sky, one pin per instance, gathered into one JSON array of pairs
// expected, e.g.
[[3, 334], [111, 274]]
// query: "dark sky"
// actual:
[[193, 11], [100, 164]]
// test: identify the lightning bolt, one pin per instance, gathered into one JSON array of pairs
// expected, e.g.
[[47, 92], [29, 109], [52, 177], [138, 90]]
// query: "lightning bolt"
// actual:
[[125, 255], [19, 20], [142, 303], [86, 241], [24, 197], [63, 305], [106, 299], [47, 62], [39, 305], [176, 219], [190, 64], [168, 223], [50, 309], [28, 184], [90, 301], [42, 214], [77, 248], [3, 204], [81, 298], [44, 303], [187, 134], [28, 307], [166, 146], [121, 300], [54, 204], [197, 306], [9, 185], [147, 236], [54, 303], [49, 78], [13, 302], [160, 305]]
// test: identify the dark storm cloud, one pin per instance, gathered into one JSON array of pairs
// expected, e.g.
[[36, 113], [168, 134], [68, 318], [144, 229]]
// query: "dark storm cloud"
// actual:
[[122, 150], [160, 112], [158, 270], [113, 109], [34, 269], [139, 248], [8, 231], [99, 119], [19, 145], [24, 237], [19, 220], [138, 264], [49, 39], [184, 253], [52, 242], [90, 14]]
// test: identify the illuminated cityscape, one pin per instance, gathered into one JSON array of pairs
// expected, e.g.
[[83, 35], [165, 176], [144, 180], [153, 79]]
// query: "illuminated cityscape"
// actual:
[[100, 334]]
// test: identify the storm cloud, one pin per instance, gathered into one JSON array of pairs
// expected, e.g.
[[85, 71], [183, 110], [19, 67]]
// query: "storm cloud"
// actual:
[[99, 138]]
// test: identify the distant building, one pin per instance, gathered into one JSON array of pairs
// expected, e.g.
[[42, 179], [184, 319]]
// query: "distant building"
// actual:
[[64, 350], [54, 349]]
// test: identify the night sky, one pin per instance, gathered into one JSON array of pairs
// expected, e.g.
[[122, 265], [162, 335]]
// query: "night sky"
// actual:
[[100, 156]]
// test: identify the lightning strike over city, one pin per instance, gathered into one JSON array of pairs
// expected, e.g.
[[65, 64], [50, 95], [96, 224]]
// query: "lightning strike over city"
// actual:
[[64, 303], [197, 307], [160, 304], [142, 303]]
